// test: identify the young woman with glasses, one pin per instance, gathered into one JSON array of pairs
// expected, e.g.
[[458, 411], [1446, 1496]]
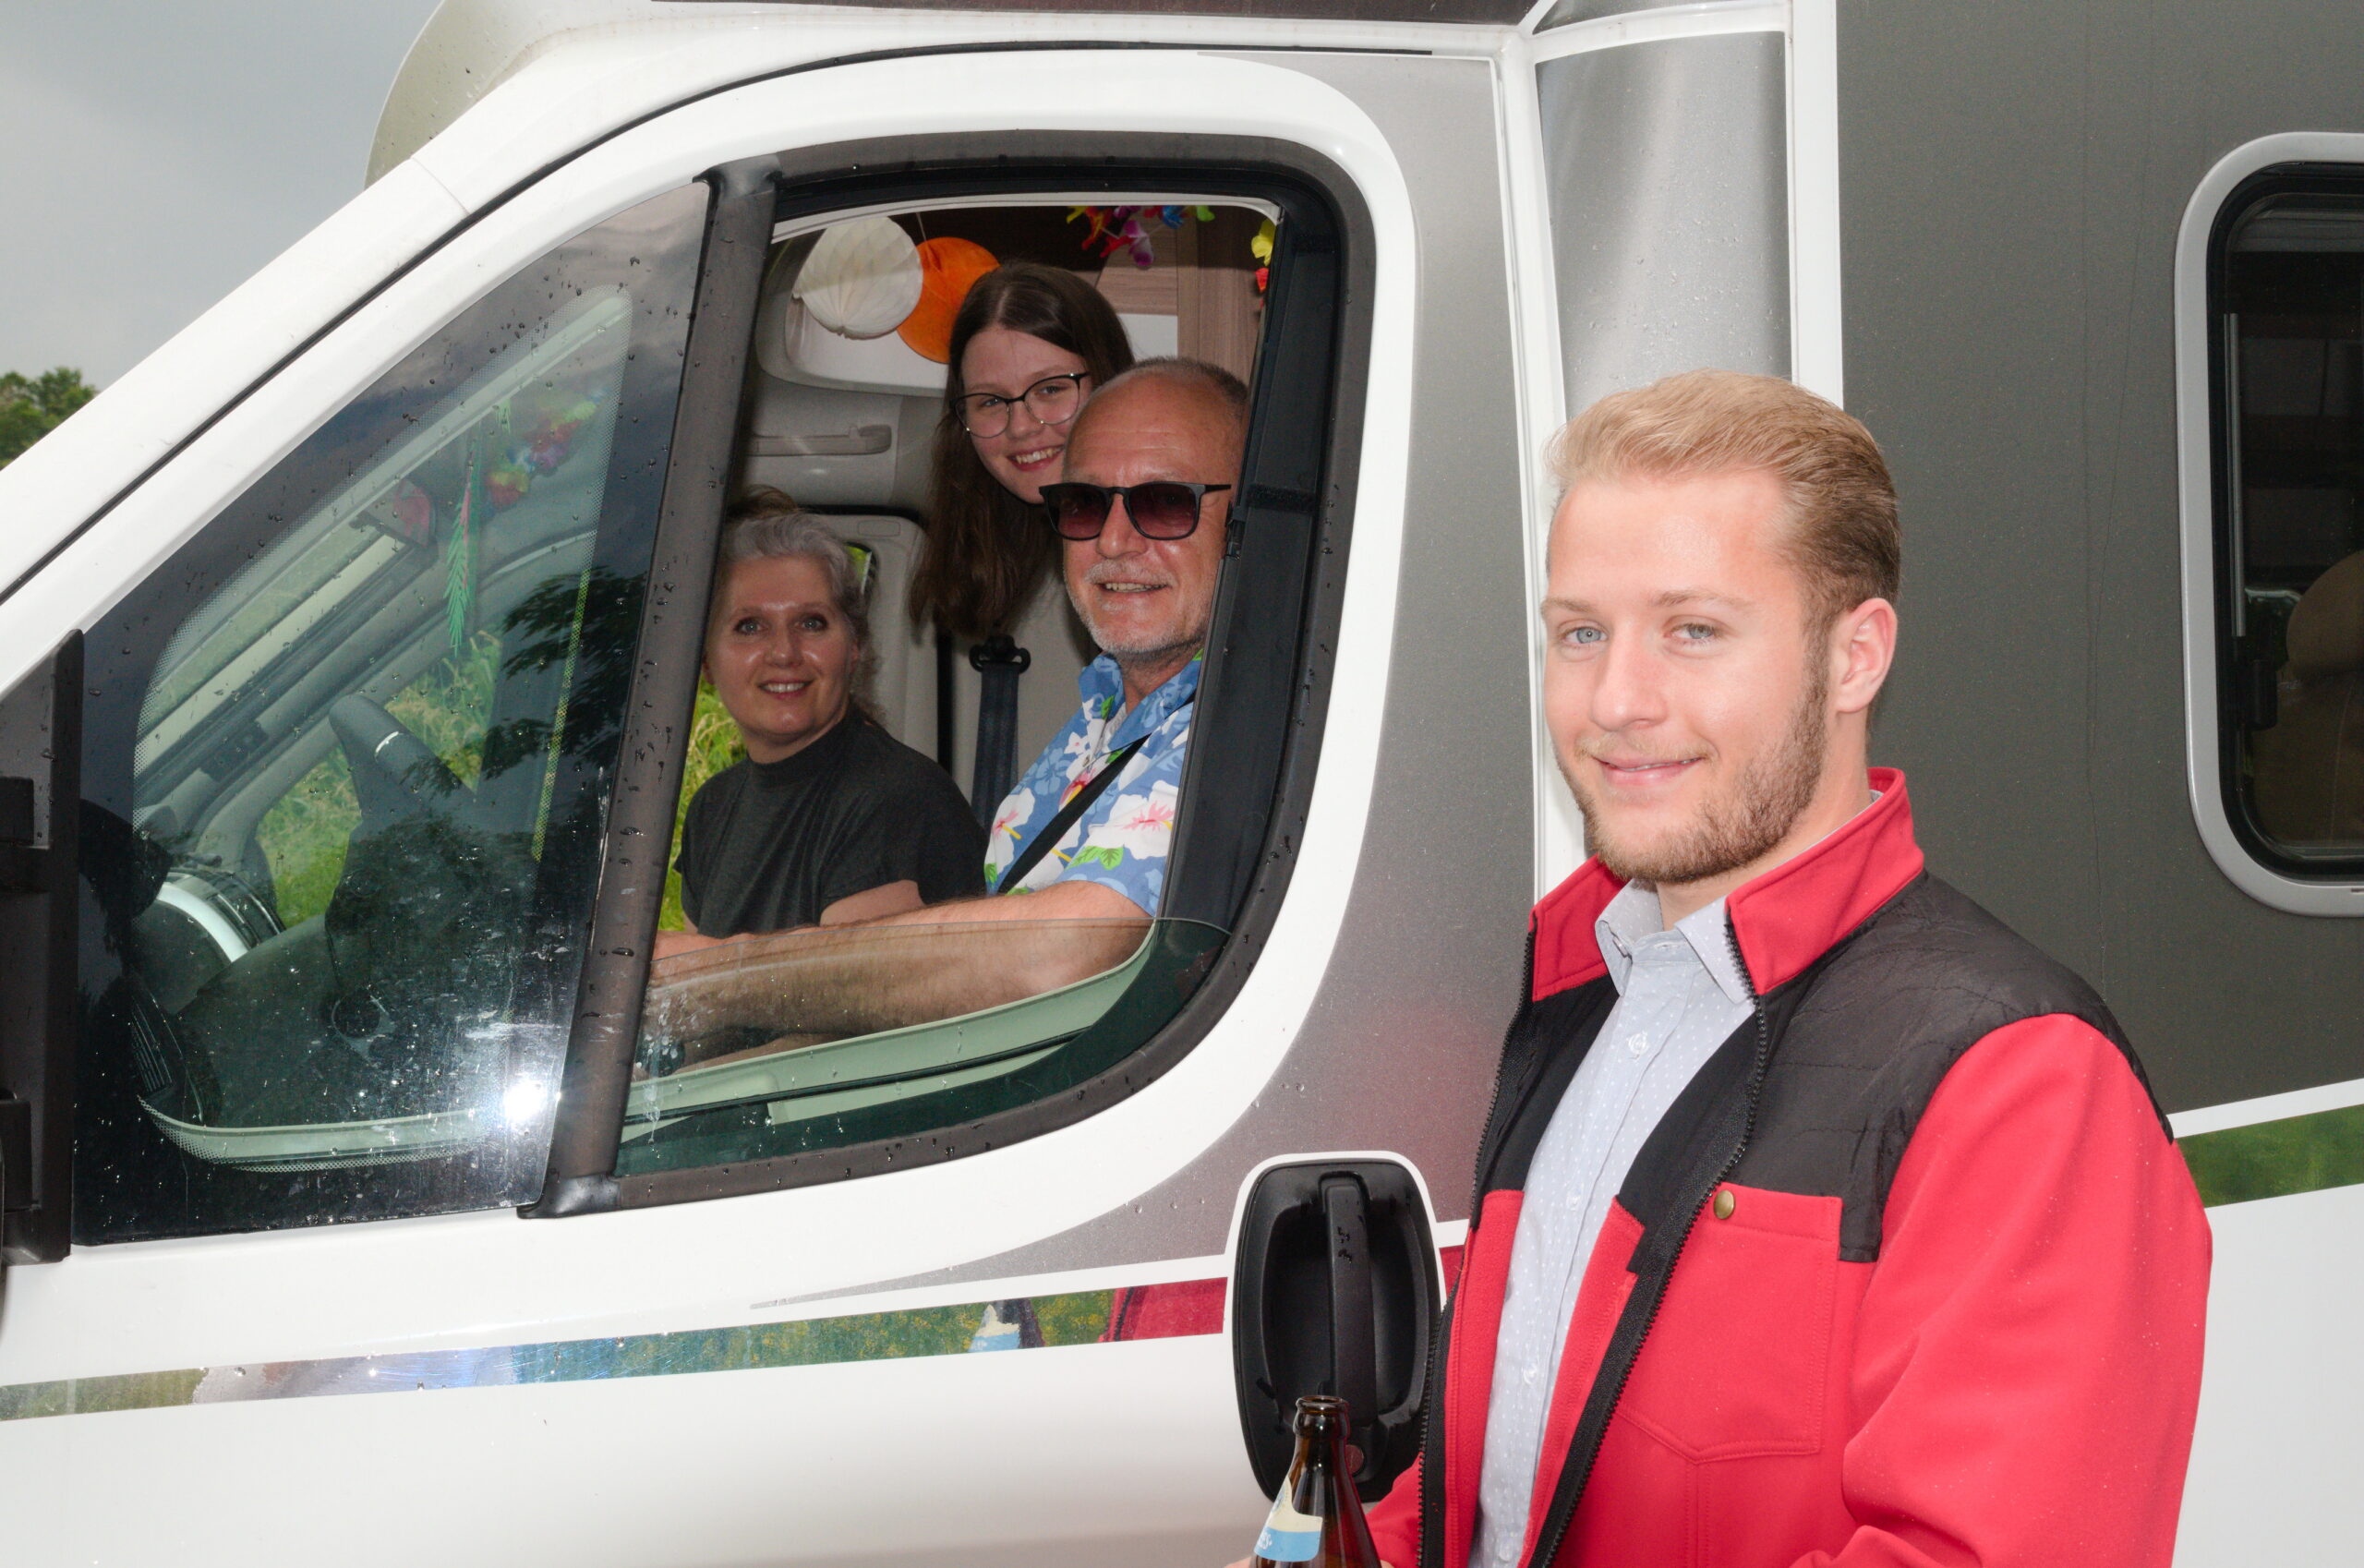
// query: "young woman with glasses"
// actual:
[[1030, 345]]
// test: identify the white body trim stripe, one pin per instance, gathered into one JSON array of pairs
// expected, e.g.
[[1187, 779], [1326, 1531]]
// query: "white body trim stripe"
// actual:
[[2268, 1108]]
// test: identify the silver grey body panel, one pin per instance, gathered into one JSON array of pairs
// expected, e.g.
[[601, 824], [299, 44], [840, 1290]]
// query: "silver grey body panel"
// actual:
[[1667, 167], [2012, 193]]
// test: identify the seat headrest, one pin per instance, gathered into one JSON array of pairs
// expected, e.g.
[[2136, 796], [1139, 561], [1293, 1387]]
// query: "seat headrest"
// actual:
[[2327, 633]]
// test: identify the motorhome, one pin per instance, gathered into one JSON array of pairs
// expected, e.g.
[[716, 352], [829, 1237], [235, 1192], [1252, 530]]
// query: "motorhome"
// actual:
[[359, 1208]]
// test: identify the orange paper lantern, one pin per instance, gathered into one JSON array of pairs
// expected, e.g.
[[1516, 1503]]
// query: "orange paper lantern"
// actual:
[[948, 268]]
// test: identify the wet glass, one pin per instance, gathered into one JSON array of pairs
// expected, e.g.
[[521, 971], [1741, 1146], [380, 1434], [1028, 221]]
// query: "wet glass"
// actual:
[[1052, 401], [2291, 366], [821, 1038], [346, 761]]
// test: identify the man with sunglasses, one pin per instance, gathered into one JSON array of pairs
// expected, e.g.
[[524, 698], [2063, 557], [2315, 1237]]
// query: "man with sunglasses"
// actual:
[[1140, 514], [1149, 465]]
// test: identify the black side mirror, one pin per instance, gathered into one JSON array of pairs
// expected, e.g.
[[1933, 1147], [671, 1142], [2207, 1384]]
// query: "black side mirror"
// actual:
[[41, 797], [1334, 1290]]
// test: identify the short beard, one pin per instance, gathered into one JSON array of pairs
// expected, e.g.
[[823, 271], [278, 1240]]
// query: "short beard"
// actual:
[[1138, 656], [1763, 804]]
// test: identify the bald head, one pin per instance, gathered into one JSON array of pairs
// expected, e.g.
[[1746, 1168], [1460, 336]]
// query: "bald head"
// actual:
[[1148, 602], [1212, 390]]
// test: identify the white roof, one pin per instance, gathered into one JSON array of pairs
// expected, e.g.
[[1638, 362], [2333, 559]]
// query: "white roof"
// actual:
[[651, 53]]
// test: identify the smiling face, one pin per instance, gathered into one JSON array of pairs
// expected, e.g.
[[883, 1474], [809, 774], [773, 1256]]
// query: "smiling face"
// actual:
[[1025, 457], [1148, 602], [1708, 729], [780, 656]]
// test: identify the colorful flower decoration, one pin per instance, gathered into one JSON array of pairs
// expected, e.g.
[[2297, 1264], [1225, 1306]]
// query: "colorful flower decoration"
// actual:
[[1127, 228], [542, 446], [530, 435], [1119, 228]]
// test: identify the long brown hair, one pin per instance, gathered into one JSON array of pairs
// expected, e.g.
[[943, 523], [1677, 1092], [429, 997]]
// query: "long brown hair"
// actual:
[[987, 549]]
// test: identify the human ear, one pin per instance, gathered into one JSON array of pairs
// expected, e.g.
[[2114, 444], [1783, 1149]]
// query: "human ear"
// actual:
[[1862, 647]]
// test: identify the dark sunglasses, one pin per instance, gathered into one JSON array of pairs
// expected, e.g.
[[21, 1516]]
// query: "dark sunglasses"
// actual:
[[1162, 509]]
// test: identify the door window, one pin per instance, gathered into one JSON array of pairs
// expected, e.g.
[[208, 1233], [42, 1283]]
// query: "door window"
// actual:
[[783, 1055], [346, 764], [2288, 297]]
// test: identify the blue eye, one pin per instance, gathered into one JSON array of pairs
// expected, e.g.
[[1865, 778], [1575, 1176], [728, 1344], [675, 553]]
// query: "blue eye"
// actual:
[[1585, 636]]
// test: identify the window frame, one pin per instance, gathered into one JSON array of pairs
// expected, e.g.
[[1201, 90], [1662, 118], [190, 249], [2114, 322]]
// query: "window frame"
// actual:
[[1235, 852], [2295, 161]]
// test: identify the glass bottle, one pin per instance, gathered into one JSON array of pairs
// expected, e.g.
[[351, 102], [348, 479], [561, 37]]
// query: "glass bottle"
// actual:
[[1317, 1520]]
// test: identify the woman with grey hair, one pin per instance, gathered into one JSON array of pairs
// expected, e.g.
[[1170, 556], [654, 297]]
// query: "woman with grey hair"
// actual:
[[829, 818]]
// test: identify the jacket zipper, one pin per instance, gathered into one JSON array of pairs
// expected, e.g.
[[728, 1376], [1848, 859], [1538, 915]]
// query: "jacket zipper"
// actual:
[[1563, 1504], [1432, 1432]]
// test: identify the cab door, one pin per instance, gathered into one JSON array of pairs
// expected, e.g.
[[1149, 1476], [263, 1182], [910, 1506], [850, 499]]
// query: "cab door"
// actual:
[[389, 693]]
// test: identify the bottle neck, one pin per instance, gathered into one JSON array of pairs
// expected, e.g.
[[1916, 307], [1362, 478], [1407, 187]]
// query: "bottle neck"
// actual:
[[1320, 1427]]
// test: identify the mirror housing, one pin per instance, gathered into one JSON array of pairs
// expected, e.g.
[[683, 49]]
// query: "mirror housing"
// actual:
[[41, 798], [1334, 1290]]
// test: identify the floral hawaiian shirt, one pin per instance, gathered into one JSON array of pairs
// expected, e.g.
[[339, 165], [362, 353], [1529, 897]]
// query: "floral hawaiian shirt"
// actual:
[[1122, 841]]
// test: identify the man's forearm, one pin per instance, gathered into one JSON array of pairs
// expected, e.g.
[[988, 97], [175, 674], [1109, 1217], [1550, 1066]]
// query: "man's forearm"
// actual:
[[889, 975]]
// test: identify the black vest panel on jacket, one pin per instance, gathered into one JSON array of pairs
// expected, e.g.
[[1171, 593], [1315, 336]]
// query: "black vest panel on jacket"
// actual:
[[1857, 1044], [1867, 1041]]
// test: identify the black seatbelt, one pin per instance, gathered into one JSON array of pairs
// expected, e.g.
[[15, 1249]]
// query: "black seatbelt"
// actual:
[[998, 661], [1043, 843]]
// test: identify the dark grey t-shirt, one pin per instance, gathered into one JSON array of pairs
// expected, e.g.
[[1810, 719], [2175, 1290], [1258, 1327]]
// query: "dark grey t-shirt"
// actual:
[[767, 846]]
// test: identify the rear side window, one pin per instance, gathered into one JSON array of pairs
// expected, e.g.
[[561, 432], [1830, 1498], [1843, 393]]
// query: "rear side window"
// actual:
[[2286, 314], [346, 761]]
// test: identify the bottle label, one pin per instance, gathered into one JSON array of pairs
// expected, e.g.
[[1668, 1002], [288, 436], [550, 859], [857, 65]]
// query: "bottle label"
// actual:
[[1289, 1535]]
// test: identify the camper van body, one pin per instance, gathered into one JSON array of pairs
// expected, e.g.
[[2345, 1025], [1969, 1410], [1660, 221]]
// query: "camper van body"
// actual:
[[1986, 230]]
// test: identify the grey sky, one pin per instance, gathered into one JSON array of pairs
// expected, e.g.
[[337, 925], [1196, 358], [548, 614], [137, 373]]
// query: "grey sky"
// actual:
[[154, 153]]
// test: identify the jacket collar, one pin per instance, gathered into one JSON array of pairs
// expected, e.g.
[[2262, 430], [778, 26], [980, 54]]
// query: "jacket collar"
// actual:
[[1784, 920]]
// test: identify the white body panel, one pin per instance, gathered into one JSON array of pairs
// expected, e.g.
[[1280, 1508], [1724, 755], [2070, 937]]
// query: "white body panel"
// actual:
[[717, 1468], [2273, 1460]]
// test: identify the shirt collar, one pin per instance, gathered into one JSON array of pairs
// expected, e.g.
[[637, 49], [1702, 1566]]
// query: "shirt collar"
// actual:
[[1102, 686], [1634, 916], [1783, 920]]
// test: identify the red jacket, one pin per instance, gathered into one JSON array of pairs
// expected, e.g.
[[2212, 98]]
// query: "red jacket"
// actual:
[[1910, 1275]]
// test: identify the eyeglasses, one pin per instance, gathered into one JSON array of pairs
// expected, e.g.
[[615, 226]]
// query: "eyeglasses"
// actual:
[[1162, 509], [1053, 401]]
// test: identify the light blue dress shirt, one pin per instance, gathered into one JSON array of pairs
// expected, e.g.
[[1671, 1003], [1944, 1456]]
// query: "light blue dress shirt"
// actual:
[[1679, 996]]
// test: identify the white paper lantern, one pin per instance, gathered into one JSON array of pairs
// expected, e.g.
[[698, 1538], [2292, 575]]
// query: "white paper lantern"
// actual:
[[863, 278]]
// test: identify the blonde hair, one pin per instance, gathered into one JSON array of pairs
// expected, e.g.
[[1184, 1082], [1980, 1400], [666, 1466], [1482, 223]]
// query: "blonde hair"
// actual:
[[1845, 540]]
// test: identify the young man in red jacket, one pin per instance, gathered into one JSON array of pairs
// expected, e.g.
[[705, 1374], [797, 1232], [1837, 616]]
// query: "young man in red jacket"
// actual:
[[1821, 1220]]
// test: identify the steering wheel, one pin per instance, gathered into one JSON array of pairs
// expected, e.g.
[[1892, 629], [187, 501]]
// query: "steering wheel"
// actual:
[[417, 925]]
